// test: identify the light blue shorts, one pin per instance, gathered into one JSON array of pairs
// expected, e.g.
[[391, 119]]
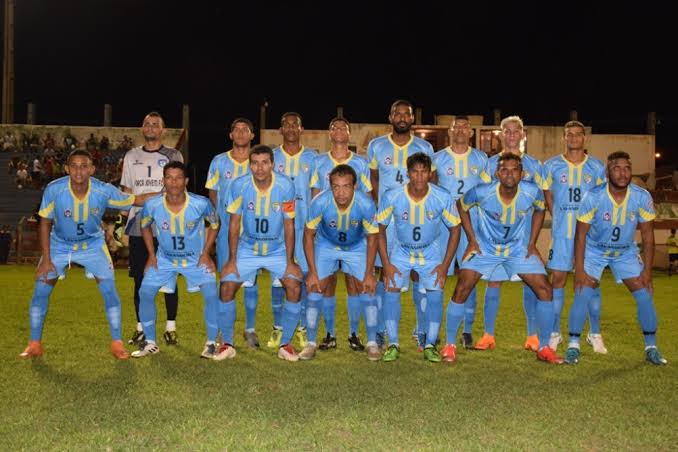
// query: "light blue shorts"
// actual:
[[627, 264], [165, 276], [92, 255]]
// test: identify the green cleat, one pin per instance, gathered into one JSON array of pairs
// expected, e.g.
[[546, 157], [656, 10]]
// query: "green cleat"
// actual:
[[274, 341], [431, 354], [652, 355], [300, 334], [392, 353], [572, 355]]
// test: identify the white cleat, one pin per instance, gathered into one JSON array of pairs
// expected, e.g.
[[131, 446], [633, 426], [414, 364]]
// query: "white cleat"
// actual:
[[287, 353], [308, 352], [554, 341], [146, 348], [596, 341], [226, 351]]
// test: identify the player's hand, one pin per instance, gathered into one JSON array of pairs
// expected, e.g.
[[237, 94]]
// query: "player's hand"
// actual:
[[152, 261], [294, 270], [312, 282], [389, 271], [472, 248], [581, 280], [646, 279], [441, 275], [533, 251], [230, 268], [44, 268], [207, 262], [369, 283]]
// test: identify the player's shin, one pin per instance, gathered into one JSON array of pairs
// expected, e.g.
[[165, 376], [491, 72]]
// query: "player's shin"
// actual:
[[455, 315], [148, 311], [491, 309], [544, 321], [530, 307], [594, 311], [558, 302], [434, 315], [290, 320], [392, 315], [354, 310], [209, 292], [577, 315], [226, 320], [38, 308], [111, 306], [470, 311], [329, 307], [379, 298], [369, 304], [277, 294], [251, 296], [313, 301], [647, 316]]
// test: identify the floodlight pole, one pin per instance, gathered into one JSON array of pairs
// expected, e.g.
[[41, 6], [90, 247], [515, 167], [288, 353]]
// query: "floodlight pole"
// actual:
[[8, 65]]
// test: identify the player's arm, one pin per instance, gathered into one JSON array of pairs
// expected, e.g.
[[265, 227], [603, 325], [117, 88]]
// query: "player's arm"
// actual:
[[374, 180], [288, 225], [211, 237], [314, 192], [46, 264], [139, 200], [581, 279], [548, 200], [147, 235], [312, 282], [388, 269], [647, 236], [537, 223], [233, 237], [465, 218], [434, 177], [369, 283]]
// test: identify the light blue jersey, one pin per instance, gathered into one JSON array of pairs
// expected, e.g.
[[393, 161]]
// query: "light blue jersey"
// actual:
[[263, 212], [503, 229], [325, 164], [391, 160], [77, 222], [533, 170]]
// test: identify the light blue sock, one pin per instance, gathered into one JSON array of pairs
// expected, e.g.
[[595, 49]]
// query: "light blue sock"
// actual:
[[226, 320], [302, 303], [111, 306], [38, 308], [147, 310], [313, 302], [558, 302], [329, 308], [209, 293], [421, 324], [379, 297], [354, 310], [577, 316], [251, 300], [434, 315], [545, 321], [530, 307], [369, 304], [277, 294], [392, 315], [594, 311], [491, 309], [290, 320], [470, 311], [455, 315], [647, 316]]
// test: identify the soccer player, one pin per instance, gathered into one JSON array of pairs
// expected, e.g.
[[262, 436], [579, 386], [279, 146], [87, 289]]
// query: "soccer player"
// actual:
[[459, 168], [672, 248], [224, 169], [297, 162], [346, 234], [416, 209], [387, 156], [263, 205], [70, 231], [512, 134], [606, 225], [506, 206], [339, 153], [566, 178], [142, 173], [178, 218]]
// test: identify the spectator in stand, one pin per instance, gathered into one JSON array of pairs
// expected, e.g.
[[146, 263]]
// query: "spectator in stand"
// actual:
[[49, 142], [36, 171], [35, 142], [105, 144], [22, 178], [5, 243], [9, 142], [91, 143], [25, 142], [69, 142]]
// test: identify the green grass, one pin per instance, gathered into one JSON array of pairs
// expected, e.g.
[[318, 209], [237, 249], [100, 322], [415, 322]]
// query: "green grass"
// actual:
[[78, 397]]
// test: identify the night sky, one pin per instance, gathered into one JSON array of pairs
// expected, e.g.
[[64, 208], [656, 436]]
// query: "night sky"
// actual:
[[225, 58]]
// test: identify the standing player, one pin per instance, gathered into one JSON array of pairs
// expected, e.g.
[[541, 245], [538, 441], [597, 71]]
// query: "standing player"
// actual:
[[506, 209], [417, 209], [142, 173], [387, 156], [297, 162], [339, 153], [178, 218], [224, 169], [263, 205], [512, 135], [672, 248], [460, 168], [567, 177], [606, 226], [70, 231], [346, 234]]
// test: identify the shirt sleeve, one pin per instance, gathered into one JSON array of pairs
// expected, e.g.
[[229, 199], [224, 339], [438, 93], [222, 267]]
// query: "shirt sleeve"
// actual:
[[538, 202], [365, 184], [210, 215], [548, 177], [315, 177], [469, 199], [212, 176], [385, 210], [234, 204], [370, 217], [47, 204], [288, 202], [315, 213], [450, 213], [118, 199], [646, 209], [127, 179], [372, 156], [146, 216], [587, 209]]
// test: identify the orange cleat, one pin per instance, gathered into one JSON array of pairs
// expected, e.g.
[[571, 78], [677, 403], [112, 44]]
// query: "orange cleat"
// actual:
[[449, 353], [546, 354], [532, 343], [34, 350], [485, 343], [118, 350]]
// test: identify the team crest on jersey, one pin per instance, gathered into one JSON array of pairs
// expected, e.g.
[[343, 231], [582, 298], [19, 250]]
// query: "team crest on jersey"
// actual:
[[632, 216], [588, 178], [304, 168], [190, 224], [95, 211], [430, 215], [450, 171], [522, 213], [333, 224], [563, 178], [526, 174], [406, 215], [228, 175], [281, 168], [387, 161], [474, 170], [165, 226], [354, 223], [67, 213], [250, 205], [496, 215], [162, 163], [606, 216], [275, 206]]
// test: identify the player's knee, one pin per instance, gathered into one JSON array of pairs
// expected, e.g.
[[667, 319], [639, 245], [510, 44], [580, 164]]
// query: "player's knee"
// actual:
[[107, 288], [292, 289], [44, 288]]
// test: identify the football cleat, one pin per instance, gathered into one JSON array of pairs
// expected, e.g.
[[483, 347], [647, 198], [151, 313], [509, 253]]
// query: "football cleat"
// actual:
[[467, 341], [652, 355], [532, 343], [431, 354], [170, 337], [300, 334], [572, 355], [486, 342], [373, 353], [288, 353], [308, 352], [226, 351], [328, 343], [118, 350], [392, 353], [146, 348], [355, 344], [274, 341], [596, 341], [251, 338], [209, 351], [34, 350], [449, 354], [555, 340], [137, 338], [547, 354]]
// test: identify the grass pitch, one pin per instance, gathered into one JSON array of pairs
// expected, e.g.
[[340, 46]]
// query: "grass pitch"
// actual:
[[77, 397]]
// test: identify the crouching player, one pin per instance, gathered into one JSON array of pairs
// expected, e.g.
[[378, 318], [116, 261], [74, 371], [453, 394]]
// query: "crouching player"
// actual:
[[183, 248], [70, 231], [345, 221], [606, 226], [417, 210]]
